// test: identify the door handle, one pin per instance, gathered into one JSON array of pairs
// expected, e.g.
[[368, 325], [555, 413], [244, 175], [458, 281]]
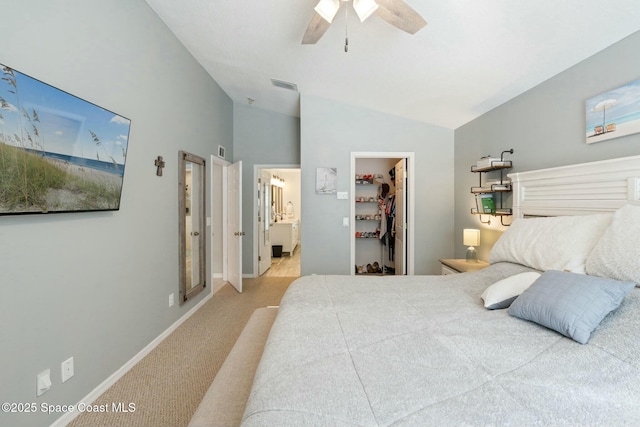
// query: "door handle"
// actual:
[[239, 233], [195, 233]]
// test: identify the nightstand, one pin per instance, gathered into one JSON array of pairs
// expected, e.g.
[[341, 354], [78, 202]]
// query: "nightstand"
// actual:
[[454, 266]]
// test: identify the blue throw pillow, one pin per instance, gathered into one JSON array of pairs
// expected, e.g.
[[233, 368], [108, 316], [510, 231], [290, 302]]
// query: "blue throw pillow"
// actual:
[[569, 303]]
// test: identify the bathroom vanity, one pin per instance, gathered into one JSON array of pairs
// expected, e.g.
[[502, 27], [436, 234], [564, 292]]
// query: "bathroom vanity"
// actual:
[[285, 233]]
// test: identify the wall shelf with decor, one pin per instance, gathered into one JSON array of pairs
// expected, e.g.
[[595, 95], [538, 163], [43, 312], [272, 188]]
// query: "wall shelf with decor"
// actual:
[[489, 194]]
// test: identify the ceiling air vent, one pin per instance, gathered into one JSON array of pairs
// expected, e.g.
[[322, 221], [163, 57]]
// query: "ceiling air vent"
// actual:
[[284, 85]]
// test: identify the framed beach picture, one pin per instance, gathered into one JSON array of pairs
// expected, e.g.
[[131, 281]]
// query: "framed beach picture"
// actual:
[[613, 114], [58, 153], [326, 180]]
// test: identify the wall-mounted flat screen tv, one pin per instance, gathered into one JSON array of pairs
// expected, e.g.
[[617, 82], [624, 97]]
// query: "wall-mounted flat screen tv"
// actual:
[[58, 153]]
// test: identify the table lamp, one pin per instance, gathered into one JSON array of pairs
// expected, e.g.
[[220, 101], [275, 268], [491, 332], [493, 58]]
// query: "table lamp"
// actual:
[[471, 238]]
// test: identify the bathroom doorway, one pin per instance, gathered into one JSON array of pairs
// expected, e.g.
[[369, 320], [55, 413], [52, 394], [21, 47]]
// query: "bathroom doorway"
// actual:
[[277, 221]]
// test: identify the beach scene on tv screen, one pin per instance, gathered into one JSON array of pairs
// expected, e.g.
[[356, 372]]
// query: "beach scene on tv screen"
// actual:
[[58, 153]]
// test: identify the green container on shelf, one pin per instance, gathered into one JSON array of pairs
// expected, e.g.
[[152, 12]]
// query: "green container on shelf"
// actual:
[[488, 205]]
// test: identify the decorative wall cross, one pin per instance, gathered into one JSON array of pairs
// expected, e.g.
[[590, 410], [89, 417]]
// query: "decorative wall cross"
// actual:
[[160, 164]]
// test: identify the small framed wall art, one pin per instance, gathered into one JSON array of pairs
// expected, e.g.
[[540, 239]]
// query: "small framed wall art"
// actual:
[[613, 114], [326, 180]]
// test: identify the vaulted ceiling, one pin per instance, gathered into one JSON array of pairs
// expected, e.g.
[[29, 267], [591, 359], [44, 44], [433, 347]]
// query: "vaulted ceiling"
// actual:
[[471, 57]]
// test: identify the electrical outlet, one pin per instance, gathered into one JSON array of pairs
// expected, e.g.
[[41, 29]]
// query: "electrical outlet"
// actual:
[[43, 382], [171, 300], [67, 369]]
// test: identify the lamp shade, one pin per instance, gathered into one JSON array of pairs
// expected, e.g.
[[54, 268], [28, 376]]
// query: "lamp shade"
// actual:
[[471, 237], [327, 9], [364, 8]]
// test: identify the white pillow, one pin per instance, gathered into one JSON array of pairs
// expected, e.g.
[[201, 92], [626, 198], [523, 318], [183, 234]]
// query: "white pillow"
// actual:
[[502, 293], [617, 253], [551, 243]]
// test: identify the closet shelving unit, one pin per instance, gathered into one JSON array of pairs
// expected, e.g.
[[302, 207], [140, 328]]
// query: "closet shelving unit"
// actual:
[[368, 215], [496, 188]]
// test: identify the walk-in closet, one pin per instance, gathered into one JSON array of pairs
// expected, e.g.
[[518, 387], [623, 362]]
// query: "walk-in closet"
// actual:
[[380, 215]]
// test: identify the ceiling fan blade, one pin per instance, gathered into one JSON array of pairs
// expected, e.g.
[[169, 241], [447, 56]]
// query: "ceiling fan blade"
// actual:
[[400, 15], [316, 29]]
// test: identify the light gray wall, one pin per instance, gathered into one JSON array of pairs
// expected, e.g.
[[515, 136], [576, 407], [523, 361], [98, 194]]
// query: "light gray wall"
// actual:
[[545, 126], [260, 137], [330, 131], [95, 286]]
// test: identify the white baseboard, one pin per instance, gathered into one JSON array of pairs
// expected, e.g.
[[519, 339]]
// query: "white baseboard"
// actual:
[[104, 386]]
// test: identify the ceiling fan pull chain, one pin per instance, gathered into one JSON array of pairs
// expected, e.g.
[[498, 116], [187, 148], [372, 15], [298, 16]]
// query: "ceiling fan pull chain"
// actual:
[[346, 29]]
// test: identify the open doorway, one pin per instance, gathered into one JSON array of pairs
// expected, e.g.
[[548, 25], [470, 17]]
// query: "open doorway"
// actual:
[[277, 221], [225, 223], [382, 213], [217, 220]]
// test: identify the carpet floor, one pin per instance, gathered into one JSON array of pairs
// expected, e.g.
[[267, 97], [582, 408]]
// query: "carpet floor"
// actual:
[[167, 385]]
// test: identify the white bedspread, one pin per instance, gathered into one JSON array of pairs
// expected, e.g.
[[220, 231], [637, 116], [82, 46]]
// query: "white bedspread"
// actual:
[[423, 351]]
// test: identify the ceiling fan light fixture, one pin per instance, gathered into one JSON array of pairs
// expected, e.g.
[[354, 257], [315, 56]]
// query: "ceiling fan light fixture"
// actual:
[[364, 8], [327, 9]]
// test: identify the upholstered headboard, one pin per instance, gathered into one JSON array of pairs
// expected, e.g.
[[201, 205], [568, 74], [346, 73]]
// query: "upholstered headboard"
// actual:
[[584, 188]]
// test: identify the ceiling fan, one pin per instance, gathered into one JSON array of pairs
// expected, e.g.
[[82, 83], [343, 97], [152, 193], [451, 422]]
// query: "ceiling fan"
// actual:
[[395, 12]]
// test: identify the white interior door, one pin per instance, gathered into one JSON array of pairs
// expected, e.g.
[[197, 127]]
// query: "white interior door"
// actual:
[[264, 222], [234, 228], [401, 217]]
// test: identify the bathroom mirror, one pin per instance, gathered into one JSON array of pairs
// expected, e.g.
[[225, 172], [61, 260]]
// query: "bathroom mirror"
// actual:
[[276, 200], [192, 225]]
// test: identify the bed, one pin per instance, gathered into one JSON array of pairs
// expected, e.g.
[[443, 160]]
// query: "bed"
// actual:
[[548, 334]]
